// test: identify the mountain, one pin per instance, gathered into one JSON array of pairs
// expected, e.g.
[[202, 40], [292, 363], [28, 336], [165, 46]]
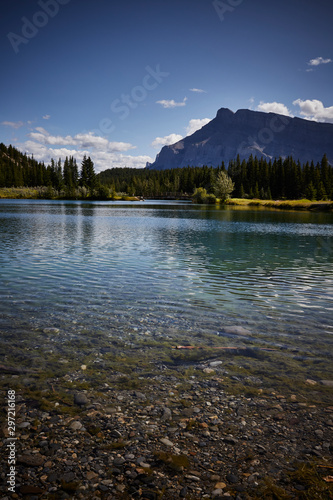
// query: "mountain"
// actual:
[[246, 132]]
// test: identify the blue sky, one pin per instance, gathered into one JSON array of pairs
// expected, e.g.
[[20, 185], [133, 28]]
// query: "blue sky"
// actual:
[[118, 80]]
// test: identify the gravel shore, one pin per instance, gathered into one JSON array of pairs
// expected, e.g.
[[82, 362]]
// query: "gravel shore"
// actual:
[[168, 439]]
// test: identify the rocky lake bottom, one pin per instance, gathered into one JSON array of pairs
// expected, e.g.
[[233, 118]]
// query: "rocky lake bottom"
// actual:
[[142, 417]]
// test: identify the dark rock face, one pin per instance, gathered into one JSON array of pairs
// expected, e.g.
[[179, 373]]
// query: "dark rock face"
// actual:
[[246, 132]]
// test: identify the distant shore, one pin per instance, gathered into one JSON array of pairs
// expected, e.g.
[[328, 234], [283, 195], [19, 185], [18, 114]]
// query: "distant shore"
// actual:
[[304, 204]]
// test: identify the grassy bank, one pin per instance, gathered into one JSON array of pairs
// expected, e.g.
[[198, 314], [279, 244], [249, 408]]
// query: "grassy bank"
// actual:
[[284, 205], [35, 193], [15, 193]]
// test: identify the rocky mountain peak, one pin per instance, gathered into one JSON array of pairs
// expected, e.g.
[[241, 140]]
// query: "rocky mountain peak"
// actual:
[[246, 132]]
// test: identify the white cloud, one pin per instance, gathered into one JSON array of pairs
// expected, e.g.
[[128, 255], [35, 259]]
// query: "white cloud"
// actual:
[[319, 60], [200, 91], [196, 124], [46, 117], [15, 125], [274, 107], [105, 154], [51, 139], [159, 142], [171, 103], [83, 140], [193, 126], [42, 130], [102, 159], [314, 110]]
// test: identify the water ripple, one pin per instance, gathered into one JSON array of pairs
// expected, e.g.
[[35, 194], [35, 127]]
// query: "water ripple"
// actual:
[[175, 268]]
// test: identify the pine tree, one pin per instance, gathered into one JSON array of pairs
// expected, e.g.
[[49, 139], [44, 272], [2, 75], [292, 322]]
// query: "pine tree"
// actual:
[[256, 193], [311, 193], [88, 176]]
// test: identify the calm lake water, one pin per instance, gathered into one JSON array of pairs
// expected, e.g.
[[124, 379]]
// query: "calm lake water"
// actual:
[[167, 268]]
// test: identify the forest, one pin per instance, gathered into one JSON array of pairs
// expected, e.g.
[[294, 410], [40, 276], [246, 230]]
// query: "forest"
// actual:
[[254, 178]]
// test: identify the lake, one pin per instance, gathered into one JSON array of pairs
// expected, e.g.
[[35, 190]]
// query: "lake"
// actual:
[[168, 270]]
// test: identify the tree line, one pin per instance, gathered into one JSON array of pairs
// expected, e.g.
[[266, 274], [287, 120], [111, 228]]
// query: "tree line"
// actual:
[[58, 179], [252, 178]]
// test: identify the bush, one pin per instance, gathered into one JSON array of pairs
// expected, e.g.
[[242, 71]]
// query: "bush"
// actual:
[[200, 196], [210, 199], [103, 192]]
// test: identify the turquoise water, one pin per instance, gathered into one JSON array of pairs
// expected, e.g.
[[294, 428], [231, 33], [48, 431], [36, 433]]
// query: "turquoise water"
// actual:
[[164, 268]]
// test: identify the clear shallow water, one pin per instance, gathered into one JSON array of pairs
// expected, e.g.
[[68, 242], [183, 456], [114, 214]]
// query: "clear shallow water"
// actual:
[[167, 268]]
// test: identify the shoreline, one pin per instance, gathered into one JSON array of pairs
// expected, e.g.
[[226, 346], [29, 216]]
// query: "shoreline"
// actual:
[[139, 418], [299, 205]]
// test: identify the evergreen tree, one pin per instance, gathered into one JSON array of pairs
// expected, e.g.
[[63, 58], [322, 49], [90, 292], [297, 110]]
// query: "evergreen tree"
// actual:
[[311, 193], [88, 176]]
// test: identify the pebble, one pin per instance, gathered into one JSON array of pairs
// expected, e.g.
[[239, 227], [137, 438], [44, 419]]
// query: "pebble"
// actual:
[[118, 461], [80, 399], [319, 433], [220, 486], [217, 492], [166, 441], [310, 382], [91, 475], [213, 364], [76, 425], [232, 478], [23, 425], [167, 414], [208, 370], [31, 460]]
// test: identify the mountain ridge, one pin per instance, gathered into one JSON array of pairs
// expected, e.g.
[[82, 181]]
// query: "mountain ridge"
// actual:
[[246, 132]]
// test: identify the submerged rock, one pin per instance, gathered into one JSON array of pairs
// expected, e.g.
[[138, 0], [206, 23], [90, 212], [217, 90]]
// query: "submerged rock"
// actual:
[[328, 383], [237, 330], [51, 331]]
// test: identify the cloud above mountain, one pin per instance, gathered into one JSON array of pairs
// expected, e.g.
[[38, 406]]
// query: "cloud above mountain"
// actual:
[[196, 124], [159, 142], [274, 107], [314, 110], [193, 125]]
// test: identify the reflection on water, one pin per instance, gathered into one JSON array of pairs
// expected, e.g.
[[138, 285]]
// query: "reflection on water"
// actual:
[[165, 268]]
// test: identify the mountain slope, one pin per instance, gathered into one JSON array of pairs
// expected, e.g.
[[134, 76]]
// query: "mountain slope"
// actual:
[[246, 132]]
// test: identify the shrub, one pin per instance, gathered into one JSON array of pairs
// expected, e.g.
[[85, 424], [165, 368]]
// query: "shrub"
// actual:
[[200, 195]]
